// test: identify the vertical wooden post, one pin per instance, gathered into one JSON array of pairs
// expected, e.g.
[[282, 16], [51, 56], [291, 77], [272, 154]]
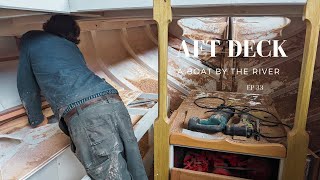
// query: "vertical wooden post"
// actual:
[[298, 139], [163, 16]]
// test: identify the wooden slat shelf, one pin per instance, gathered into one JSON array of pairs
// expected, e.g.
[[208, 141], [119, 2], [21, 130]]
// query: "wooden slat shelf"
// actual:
[[270, 149], [184, 174], [274, 148]]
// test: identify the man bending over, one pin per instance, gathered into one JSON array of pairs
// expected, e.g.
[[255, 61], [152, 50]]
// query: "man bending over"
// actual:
[[90, 110]]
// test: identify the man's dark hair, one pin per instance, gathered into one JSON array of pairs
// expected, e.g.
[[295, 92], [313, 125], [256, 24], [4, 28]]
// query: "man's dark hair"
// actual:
[[64, 26]]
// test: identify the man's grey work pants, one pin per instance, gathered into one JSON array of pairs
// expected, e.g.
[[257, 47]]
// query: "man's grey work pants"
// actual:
[[105, 143]]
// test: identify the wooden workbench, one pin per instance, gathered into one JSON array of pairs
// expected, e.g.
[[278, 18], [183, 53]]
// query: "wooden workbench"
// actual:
[[274, 148]]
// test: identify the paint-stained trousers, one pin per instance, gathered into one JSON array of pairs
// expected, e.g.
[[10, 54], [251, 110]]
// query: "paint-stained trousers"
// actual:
[[104, 141]]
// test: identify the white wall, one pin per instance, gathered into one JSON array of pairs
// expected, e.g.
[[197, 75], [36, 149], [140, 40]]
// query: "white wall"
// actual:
[[85, 5], [67, 6], [176, 3], [37, 5]]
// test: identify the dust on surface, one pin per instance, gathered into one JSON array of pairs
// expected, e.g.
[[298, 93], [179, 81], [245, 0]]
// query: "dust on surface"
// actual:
[[151, 86]]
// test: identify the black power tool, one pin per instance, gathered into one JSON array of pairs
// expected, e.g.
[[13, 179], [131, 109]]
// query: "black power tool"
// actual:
[[246, 127]]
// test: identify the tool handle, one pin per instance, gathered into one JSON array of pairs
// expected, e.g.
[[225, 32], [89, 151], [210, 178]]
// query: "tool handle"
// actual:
[[239, 131], [194, 125]]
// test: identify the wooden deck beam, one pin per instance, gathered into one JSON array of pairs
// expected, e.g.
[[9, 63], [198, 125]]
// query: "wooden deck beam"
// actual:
[[298, 139]]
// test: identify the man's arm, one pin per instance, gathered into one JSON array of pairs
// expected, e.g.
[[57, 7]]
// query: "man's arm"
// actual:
[[28, 89]]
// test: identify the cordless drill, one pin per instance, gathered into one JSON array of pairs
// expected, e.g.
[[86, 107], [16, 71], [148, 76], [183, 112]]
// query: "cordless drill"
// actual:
[[215, 123]]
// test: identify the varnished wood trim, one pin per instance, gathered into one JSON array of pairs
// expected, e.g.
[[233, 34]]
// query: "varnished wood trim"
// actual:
[[269, 149], [184, 174]]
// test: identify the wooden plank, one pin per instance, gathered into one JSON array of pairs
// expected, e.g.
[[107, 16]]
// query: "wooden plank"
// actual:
[[239, 10], [98, 25], [144, 14], [273, 150], [12, 13], [163, 15], [9, 58], [137, 111], [19, 122], [298, 138], [17, 111], [10, 30], [143, 125], [184, 174], [148, 96], [18, 26], [34, 19]]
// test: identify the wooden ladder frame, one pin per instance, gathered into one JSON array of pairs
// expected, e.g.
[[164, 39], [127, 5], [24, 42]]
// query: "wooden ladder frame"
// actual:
[[298, 138]]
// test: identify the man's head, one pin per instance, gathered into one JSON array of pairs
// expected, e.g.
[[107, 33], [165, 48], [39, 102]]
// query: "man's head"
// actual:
[[64, 26]]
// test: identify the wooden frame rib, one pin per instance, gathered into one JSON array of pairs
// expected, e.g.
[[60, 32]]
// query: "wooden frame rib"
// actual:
[[298, 139], [163, 16]]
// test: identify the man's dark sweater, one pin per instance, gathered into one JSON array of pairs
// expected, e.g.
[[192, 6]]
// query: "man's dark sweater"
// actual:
[[57, 68]]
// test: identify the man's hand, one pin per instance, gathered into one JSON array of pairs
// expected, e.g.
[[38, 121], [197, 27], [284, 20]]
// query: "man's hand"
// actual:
[[44, 122]]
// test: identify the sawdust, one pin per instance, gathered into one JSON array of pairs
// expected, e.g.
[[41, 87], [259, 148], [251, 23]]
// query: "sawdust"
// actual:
[[29, 158], [176, 44], [146, 85], [173, 65], [151, 86], [200, 80], [258, 28], [203, 28], [128, 96]]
